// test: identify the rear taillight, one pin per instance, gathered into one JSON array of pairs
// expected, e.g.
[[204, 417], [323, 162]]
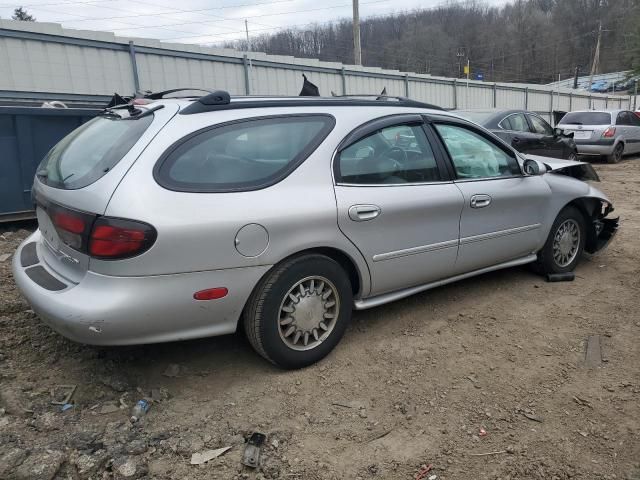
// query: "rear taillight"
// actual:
[[117, 238], [609, 132], [72, 226]]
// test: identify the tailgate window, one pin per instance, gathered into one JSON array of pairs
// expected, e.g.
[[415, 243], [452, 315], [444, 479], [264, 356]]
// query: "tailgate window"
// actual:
[[91, 150], [586, 118]]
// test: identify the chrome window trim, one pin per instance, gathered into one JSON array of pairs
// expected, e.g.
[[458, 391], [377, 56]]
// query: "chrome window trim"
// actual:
[[412, 184]]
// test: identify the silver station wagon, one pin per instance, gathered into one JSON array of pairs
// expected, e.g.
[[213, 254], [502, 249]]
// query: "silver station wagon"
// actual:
[[182, 218]]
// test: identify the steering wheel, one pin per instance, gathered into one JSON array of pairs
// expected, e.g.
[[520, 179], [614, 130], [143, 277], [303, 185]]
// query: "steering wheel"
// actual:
[[397, 164]]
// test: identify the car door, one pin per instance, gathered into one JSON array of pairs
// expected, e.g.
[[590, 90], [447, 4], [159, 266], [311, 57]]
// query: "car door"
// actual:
[[548, 144], [517, 133], [503, 209], [396, 203]]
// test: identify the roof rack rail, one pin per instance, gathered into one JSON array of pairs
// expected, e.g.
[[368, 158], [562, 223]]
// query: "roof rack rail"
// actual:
[[159, 95], [221, 100]]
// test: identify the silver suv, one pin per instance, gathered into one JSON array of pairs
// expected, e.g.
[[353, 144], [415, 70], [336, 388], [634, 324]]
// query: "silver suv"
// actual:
[[185, 218]]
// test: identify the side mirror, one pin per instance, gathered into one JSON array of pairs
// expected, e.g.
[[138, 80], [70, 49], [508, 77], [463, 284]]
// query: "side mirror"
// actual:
[[558, 132], [533, 167]]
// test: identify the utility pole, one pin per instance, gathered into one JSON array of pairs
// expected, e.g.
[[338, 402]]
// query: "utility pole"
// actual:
[[357, 51], [466, 101], [460, 56], [575, 78], [596, 56]]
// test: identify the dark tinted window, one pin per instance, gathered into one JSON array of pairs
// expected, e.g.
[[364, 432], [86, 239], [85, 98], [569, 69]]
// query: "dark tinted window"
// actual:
[[91, 150], [586, 118], [245, 155], [475, 156], [540, 126], [397, 154], [635, 121], [515, 122]]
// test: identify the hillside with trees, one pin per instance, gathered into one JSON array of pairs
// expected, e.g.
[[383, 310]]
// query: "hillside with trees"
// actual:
[[529, 41]]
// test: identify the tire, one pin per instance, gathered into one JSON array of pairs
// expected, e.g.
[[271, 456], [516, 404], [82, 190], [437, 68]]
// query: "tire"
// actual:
[[617, 154], [270, 313], [558, 255]]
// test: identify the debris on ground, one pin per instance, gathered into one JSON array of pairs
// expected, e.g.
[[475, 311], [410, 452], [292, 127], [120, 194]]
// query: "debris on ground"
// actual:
[[139, 410], [593, 352], [561, 277], [203, 457], [172, 371], [69, 391], [251, 455], [422, 473]]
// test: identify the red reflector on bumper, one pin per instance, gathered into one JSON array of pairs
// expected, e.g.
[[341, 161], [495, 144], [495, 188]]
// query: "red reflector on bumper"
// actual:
[[211, 293]]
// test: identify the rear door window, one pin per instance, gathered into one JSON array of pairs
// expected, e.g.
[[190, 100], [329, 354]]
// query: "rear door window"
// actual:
[[586, 118], [515, 122], [91, 150], [245, 155]]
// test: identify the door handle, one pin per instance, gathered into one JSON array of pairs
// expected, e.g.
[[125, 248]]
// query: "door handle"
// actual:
[[480, 201], [362, 213]]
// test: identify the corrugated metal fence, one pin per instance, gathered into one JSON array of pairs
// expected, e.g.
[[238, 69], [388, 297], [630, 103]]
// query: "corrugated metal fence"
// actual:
[[45, 61]]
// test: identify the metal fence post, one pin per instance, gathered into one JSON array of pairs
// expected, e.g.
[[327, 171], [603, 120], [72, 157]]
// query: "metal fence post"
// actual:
[[551, 104], [570, 101], [406, 85], [247, 82], [589, 101], [344, 81], [495, 95], [526, 98], [134, 66], [455, 93], [635, 94], [606, 102]]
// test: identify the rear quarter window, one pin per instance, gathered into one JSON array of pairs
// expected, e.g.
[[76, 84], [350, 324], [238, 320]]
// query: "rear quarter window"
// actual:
[[244, 155]]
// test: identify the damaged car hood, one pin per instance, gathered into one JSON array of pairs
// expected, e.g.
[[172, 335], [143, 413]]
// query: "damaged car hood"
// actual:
[[580, 170]]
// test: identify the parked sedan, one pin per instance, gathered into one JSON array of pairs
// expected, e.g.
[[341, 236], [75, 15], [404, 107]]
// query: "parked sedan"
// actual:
[[188, 218], [524, 131], [609, 133]]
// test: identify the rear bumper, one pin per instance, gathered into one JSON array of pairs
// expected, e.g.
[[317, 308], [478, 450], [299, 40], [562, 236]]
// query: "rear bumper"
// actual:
[[595, 148], [107, 310]]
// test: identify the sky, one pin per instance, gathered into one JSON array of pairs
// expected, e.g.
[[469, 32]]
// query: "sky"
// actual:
[[204, 21]]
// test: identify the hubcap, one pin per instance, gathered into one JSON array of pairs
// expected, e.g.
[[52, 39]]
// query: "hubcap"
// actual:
[[566, 242], [308, 313]]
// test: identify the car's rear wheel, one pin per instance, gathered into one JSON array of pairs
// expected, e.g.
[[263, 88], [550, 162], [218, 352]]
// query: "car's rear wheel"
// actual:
[[565, 243], [617, 153], [299, 311]]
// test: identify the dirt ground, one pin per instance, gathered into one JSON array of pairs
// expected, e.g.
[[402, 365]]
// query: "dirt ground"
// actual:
[[412, 384]]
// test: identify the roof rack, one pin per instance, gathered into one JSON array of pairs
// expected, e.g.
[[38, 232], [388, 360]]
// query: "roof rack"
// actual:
[[221, 100]]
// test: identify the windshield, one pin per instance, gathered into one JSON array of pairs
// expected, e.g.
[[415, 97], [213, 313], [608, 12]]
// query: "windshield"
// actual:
[[91, 150], [476, 116], [586, 118]]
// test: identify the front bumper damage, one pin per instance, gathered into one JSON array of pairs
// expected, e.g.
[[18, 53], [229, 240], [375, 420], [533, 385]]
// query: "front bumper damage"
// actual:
[[602, 229]]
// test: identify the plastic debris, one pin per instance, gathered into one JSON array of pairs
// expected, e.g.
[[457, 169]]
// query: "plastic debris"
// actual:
[[66, 407], [199, 458], [251, 455], [139, 410], [422, 473], [483, 432], [70, 390]]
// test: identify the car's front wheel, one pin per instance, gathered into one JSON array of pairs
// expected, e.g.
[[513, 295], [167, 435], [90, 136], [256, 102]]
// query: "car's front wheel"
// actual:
[[299, 311], [565, 243]]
